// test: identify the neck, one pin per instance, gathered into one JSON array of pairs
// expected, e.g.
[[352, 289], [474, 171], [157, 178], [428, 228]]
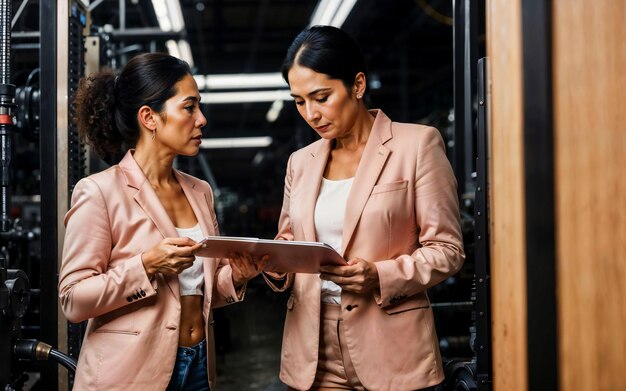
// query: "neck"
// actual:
[[157, 169], [359, 134]]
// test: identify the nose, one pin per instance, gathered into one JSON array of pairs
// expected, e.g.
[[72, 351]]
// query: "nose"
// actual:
[[312, 114], [201, 120]]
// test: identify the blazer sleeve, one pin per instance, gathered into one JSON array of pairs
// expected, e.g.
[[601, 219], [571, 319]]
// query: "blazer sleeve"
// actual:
[[280, 282], [88, 286], [440, 250]]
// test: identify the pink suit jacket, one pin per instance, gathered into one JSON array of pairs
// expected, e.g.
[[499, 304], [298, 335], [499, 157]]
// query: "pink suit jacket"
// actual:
[[132, 334], [402, 213]]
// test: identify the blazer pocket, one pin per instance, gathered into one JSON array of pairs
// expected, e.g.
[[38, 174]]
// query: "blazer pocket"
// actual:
[[415, 303], [391, 186], [123, 332]]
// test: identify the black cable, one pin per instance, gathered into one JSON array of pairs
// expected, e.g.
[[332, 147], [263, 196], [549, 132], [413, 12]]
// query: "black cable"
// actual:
[[63, 359]]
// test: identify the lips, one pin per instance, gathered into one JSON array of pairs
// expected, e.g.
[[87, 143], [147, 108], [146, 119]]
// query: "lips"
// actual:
[[322, 128]]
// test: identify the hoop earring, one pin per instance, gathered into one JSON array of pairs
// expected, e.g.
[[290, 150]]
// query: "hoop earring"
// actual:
[[153, 134]]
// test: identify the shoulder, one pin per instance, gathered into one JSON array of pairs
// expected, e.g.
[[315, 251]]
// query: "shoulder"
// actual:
[[104, 179], [303, 154], [415, 136], [194, 182], [415, 132], [101, 185]]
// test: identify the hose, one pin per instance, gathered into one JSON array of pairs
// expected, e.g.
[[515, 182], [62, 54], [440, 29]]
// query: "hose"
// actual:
[[63, 359], [32, 349]]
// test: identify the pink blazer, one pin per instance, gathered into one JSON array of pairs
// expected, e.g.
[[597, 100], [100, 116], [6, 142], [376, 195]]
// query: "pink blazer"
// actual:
[[402, 213], [132, 333]]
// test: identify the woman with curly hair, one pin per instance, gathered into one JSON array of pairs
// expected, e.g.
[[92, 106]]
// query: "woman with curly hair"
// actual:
[[129, 263]]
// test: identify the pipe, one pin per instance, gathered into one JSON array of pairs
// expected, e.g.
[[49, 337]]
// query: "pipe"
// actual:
[[7, 112], [32, 349], [5, 41]]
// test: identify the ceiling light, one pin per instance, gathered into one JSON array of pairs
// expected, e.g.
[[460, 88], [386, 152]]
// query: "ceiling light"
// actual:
[[331, 12], [236, 142], [245, 96], [185, 52], [169, 15], [274, 111], [241, 81]]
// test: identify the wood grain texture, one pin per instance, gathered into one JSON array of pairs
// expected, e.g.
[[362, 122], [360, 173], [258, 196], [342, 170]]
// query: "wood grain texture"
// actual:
[[508, 255], [589, 60]]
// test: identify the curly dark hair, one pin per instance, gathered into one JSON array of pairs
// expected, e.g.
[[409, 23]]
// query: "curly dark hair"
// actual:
[[94, 114], [105, 106]]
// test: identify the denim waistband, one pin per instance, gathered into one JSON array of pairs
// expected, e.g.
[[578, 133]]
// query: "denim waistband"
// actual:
[[198, 351]]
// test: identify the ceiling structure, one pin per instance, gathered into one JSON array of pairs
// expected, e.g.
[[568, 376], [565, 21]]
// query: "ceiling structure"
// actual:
[[408, 46]]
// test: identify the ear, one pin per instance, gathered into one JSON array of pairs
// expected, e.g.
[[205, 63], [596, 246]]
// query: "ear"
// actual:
[[145, 117], [360, 85]]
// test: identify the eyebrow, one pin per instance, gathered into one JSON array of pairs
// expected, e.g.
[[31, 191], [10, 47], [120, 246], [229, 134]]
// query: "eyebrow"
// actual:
[[312, 92], [192, 98]]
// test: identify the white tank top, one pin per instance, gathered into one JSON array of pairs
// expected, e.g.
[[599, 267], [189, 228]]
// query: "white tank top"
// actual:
[[329, 215], [191, 279]]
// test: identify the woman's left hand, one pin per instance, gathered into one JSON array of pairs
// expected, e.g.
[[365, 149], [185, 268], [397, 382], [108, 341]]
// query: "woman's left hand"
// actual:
[[360, 276], [245, 267]]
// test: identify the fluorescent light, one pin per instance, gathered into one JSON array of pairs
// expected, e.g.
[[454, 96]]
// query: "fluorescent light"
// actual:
[[172, 48], [331, 12], [160, 9], [169, 15], [241, 81], [180, 49], [342, 13], [236, 142], [176, 15], [200, 81], [245, 96], [274, 111], [185, 52]]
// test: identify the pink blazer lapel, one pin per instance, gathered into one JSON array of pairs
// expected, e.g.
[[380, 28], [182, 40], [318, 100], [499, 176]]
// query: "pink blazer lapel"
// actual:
[[371, 165], [197, 200], [147, 199], [311, 188]]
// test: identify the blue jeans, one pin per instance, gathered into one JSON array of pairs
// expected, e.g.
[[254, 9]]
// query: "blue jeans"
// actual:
[[190, 371]]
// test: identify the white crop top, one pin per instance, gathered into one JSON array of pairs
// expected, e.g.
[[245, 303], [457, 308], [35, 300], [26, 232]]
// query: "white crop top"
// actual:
[[329, 215], [191, 280]]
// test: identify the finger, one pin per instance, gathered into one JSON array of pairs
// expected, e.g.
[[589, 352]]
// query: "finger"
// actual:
[[336, 270], [355, 261], [184, 241], [196, 247]]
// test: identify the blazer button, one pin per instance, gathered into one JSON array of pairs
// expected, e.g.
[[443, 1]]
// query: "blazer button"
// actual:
[[135, 297], [142, 293], [349, 307], [129, 299]]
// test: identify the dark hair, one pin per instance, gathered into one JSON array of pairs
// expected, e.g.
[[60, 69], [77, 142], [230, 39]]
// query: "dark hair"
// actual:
[[105, 105], [327, 50]]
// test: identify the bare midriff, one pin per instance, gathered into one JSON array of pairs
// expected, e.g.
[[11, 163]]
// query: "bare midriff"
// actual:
[[191, 321]]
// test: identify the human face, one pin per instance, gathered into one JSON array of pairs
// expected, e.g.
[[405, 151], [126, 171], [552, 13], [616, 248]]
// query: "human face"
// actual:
[[179, 125], [324, 103]]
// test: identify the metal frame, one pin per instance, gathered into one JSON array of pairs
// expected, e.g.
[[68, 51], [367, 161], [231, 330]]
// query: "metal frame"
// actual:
[[465, 56], [539, 196], [482, 259], [49, 195]]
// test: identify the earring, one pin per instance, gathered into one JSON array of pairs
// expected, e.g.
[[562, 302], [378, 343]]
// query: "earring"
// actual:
[[359, 96], [153, 134]]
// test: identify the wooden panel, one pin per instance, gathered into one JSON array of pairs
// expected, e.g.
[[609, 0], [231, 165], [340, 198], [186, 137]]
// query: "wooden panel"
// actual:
[[589, 59], [508, 256]]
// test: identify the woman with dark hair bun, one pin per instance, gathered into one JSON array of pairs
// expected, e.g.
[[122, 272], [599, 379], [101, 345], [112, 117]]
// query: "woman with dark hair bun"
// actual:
[[129, 263], [381, 193]]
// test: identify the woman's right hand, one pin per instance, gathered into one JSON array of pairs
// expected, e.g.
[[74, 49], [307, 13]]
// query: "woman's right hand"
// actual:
[[171, 256]]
